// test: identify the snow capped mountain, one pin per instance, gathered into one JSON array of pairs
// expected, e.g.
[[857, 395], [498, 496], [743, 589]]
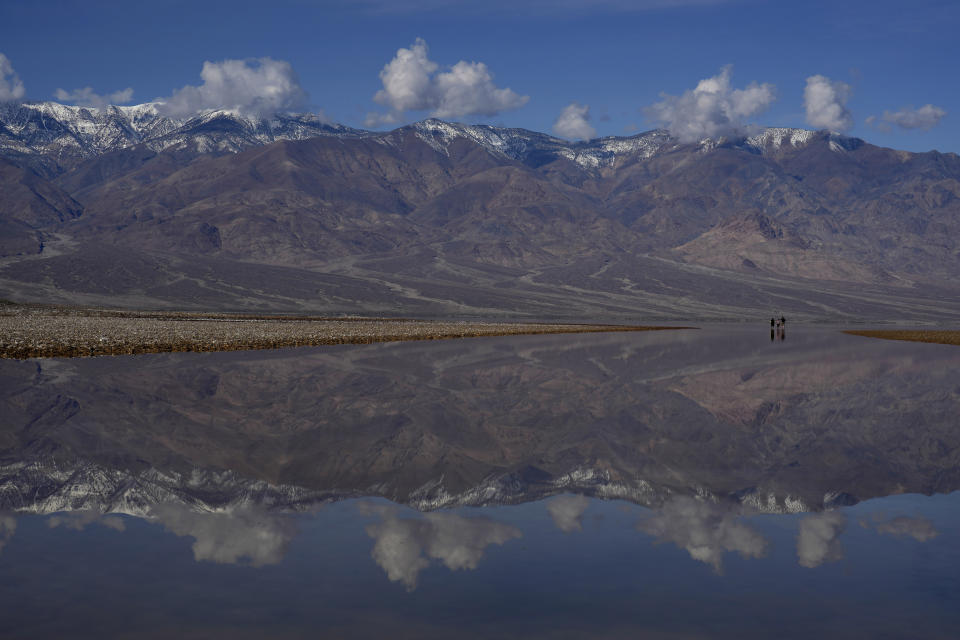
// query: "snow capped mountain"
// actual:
[[53, 137], [535, 148], [774, 139]]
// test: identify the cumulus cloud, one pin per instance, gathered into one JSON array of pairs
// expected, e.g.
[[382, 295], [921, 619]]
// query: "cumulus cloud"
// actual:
[[567, 512], [574, 122], [926, 117], [11, 88], [87, 97], [706, 530], [920, 529], [8, 525], [818, 540], [78, 520], [258, 87], [712, 109], [825, 101], [243, 536], [413, 82], [404, 546]]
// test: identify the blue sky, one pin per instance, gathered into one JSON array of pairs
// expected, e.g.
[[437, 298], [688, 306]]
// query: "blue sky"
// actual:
[[615, 57]]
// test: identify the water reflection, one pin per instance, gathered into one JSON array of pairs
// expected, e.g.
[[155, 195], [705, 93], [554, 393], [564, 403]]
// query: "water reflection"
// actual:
[[705, 530], [920, 529], [738, 474], [246, 535], [79, 520], [825, 420], [514, 571], [819, 539], [567, 512], [404, 546], [8, 526]]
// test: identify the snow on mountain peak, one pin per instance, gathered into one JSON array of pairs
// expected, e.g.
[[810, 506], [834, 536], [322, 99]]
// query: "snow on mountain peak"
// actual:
[[776, 136], [50, 132], [522, 144]]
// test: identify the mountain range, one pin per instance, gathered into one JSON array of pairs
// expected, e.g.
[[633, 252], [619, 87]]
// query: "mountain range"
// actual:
[[126, 207]]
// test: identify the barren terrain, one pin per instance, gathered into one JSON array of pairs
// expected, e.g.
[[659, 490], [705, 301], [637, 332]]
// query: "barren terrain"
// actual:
[[48, 331]]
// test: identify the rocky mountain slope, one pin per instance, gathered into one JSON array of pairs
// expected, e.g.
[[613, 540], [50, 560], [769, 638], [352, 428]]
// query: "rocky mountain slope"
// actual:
[[231, 212]]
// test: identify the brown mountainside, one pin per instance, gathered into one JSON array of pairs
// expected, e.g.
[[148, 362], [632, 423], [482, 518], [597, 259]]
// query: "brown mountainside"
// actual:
[[450, 222]]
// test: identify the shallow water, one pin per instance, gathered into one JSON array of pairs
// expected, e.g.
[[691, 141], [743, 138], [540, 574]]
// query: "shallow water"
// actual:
[[687, 484]]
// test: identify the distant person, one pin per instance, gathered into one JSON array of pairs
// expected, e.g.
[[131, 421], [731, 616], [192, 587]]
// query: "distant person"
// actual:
[[773, 323], [783, 322]]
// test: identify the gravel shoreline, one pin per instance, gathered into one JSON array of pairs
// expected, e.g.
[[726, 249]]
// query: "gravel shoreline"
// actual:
[[919, 335], [60, 332]]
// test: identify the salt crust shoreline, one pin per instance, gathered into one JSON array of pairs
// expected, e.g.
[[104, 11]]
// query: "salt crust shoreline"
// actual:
[[920, 335], [43, 332]]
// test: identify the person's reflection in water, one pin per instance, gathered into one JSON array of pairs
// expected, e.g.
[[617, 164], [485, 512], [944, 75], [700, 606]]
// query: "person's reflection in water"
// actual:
[[772, 334]]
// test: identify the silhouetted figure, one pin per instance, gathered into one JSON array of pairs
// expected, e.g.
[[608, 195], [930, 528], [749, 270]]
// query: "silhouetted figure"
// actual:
[[783, 322], [773, 323]]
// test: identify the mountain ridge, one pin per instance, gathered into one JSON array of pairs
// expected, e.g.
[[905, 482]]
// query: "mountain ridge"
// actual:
[[41, 127], [474, 219]]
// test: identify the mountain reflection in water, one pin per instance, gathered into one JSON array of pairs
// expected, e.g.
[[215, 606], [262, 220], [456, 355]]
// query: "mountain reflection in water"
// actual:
[[370, 458]]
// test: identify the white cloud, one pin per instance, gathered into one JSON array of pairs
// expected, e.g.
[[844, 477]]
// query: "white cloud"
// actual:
[[567, 512], [826, 104], [573, 122], [8, 525], [706, 530], [259, 87], [86, 97], [244, 536], [407, 83], [413, 82], [712, 109], [11, 88], [403, 546], [926, 117], [468, 89], [818, 540]]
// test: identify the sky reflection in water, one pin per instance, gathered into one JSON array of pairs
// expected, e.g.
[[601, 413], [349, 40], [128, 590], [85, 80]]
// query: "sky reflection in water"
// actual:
[[706, 484], [885, 566]]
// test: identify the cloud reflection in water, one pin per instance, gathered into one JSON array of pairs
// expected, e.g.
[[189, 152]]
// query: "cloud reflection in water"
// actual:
[[403, 547], [8, 526], [818, 539], [705, 529], [567, 512], [920, 529], [78, 520], [243, 536]]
